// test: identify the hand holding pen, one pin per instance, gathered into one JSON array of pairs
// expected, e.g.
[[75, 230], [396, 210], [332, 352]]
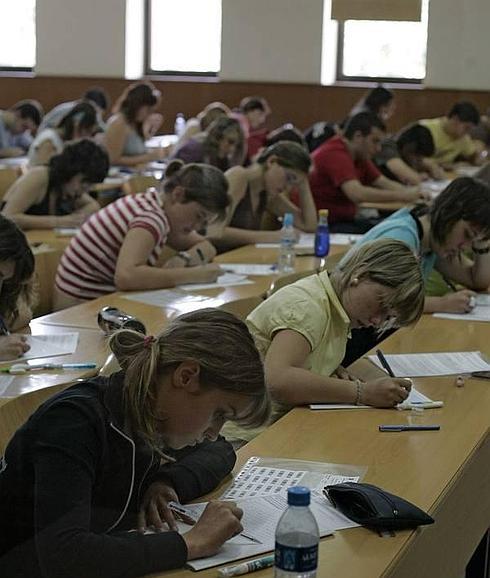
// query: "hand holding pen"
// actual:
[[13, 346], [385, 391]]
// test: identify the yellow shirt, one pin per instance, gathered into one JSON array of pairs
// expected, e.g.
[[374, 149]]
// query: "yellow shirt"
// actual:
[[311, 307], [448, 148]]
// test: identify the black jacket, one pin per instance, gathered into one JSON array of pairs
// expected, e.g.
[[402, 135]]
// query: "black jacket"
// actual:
[[71, 482]]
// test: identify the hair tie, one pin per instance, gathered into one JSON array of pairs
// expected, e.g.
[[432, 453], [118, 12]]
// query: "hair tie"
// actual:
[[148, 341]]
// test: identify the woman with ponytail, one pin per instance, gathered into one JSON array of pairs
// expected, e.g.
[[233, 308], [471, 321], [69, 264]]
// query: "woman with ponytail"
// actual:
[[106, 456], [118, 248]]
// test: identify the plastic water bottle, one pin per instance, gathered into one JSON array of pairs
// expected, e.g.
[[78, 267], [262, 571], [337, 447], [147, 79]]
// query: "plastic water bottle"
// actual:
[[286, 250], [297, 538], [322, 236], [179, 126]]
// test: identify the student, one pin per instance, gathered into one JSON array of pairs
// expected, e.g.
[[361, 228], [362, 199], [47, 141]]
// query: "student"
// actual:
[[118, 248], [134, 121], [456, 222], [302, 330], [18, 124], [285, 132], [56, 195], [106, 456], [265, 185], [254, 110], [379, 101], [96, 96], [451, 134], [221, 145], [403, 157], [202, 121], [16, 272], [344, 175], [80, 122]]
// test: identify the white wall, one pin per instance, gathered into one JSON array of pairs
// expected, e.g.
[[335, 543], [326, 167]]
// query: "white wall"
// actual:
[[272, 40], [458, 44], [80, 38]]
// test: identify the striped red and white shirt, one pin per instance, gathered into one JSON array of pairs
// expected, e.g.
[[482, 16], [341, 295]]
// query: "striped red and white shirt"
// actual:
[[88, 265]]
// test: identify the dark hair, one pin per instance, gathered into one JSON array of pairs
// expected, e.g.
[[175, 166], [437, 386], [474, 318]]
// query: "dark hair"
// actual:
[[81, 157], [14, 247], [250, 103], [31, 109], [377, 97], [215, 133], [83, 116], [418, 138], [136, 96], [202, 183], [465, 111], [467, 199], [286, 132], [363, 122], [98, 95], [290, 155]]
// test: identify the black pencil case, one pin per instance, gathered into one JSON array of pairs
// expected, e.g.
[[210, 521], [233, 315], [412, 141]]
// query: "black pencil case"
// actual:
[[375, 508]]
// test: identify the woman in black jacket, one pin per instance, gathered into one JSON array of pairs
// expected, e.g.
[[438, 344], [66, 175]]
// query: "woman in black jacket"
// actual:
[[107, 455]]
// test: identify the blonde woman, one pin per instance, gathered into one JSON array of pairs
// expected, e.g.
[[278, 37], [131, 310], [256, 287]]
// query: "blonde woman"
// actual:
[[107, 455], [303, 329]]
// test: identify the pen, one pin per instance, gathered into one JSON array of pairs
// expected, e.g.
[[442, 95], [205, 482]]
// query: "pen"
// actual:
[[420, 404], [391, 428], [247, 567], [179, 509], [384, 362], [20, 368], [3, 327], [450, 284]]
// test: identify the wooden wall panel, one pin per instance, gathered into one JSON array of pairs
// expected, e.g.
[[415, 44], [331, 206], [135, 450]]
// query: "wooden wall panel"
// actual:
[[301, 104]]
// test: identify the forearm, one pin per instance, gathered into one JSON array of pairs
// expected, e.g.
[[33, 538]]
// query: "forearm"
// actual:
[[306, 220], [9, 152], [145, 277], [238, 237], [404, 172], [435, 305], [131, 161], [375, 195], [27, 222], [298, 386], [88, 208]]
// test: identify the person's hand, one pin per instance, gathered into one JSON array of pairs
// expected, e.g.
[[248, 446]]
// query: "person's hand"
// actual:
[[13, 346], [206, 273], [385, 391], [219, 522], [152, 123], [458, 302], [342, 373], [154, 511], [411, 194]]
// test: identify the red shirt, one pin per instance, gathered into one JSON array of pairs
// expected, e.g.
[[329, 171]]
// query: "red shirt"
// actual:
[[333, 165]]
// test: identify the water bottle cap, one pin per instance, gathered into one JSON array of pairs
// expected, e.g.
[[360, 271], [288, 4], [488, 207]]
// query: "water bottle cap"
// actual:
[[299, 496], [323, 213], [288, 220]]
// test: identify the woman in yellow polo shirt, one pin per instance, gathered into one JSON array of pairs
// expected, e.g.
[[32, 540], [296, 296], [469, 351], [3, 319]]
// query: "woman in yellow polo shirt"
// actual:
[[302, 330]]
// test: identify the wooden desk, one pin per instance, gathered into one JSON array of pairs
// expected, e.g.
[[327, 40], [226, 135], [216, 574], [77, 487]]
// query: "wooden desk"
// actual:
[[445, 473], [47, 237]]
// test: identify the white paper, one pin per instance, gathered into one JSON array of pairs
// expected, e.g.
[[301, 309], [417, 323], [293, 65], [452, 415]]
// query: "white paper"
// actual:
[[413, 397], [249, 268], [481, 311], [50, 345], [432, 364], [5, 381], [260, 518], [66, 231], [307, 241], [434, 187], [166, 297], [225, 280]]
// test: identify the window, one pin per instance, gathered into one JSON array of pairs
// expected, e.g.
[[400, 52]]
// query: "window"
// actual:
[[183, 37], [18, 35], [383, 50]]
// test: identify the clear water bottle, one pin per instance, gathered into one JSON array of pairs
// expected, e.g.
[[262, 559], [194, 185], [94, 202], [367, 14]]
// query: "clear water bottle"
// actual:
[[322, 236], [179, 126], [286, 249], [297, 538]]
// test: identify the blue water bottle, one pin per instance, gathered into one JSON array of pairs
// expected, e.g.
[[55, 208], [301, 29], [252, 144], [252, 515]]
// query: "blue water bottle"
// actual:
[[322, 236]]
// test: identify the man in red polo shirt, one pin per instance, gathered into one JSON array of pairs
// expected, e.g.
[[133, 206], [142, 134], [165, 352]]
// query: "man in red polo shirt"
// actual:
[[343, 175]]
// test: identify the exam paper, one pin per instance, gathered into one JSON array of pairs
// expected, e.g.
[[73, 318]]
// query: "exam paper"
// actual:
[[249, 268], [434, 187], [481, 311], [413, 397], [307, 241], [432, 364], [50, 345], [5, 381], [167, 297], [225, 280]]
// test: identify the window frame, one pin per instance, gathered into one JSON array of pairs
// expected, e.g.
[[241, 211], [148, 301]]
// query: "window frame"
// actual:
[[341, 77], [148, 71]]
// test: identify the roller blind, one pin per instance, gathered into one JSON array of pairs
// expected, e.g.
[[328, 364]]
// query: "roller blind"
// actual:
[[403, 10]]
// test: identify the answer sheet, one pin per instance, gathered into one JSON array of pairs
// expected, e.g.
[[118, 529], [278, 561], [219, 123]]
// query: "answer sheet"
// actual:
[[413, 397], [225, 280], [307, 241], [433, 364], [249, 268], [50, 345], [481, 311], [167, 297]]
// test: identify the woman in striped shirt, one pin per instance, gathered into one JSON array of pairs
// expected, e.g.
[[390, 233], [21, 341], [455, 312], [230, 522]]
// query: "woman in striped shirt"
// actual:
[[118, 248]]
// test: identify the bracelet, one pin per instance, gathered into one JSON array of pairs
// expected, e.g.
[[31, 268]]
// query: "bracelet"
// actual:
[[184, 255], [359, 389], [482, 251]]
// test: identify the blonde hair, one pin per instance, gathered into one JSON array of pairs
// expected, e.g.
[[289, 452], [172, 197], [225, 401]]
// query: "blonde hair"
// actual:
[[218, 341], [390, 263]]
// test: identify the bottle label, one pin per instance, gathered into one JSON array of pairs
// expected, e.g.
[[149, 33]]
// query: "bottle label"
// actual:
[[296, 559]]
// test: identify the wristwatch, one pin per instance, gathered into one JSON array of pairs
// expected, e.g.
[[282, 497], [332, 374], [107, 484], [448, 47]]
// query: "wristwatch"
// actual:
[[185, 256]]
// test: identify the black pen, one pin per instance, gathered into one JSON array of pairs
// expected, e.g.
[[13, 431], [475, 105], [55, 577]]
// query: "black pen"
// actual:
[[450, 284], [409, 428], [3, 327], [384, 362]]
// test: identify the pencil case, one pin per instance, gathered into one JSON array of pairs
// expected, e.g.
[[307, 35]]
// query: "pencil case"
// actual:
[[375, 508]]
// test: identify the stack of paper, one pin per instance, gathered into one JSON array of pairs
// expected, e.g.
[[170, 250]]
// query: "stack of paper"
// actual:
[[249, 268]]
